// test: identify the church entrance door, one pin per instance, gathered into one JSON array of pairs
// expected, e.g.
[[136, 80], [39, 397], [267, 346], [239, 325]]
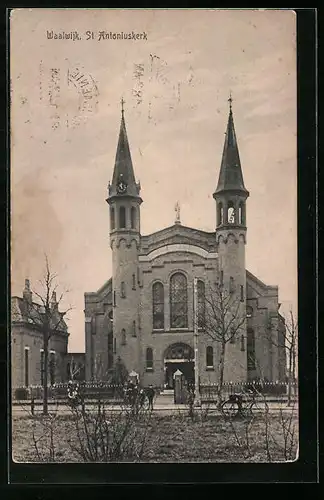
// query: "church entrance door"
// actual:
[[178, 357]]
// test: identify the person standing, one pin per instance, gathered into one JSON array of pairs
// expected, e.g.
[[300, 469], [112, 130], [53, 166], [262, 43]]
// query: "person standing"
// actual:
[[150, 396]]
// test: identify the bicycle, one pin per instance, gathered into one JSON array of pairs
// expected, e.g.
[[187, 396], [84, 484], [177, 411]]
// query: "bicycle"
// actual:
[[237, 406]]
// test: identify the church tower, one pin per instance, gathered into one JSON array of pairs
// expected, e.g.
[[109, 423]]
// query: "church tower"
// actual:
[[124, 201], [230, 197]]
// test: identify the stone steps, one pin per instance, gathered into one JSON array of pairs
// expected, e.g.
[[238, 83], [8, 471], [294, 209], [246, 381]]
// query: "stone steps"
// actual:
[[165, 397]]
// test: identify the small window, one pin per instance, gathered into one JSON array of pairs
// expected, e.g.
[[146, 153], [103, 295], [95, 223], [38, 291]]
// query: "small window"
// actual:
[[209, 357], [112, 218], [123, 336], [249, 312], [242, 343], [115, 350], [134, 328], [26, 366], [231, 285], [114, 298], [133, 217], [242, 293], [122, 217], [122, 290], [134, 282], [222, 278], [149, 359]]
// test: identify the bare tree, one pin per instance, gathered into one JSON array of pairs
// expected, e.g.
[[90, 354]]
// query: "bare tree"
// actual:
[[46, 319], [74, 369], [223, 319], [287, 340]]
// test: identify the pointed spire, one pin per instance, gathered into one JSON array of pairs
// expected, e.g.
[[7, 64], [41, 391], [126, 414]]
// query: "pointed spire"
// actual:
[[123, 181], [231, 177]]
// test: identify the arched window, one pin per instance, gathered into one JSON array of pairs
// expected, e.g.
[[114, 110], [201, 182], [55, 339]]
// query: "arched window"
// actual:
[[134, 328], [230, 212], [112, 218], [123, 289], [220, 214], [149, 358], [123, 336], [250, 349], [122, 217], [133, 217], [209, 357], [201, 303], [178, 301], [158, 306]]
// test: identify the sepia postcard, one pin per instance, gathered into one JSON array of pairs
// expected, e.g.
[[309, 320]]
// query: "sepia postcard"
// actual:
[[154, 314]]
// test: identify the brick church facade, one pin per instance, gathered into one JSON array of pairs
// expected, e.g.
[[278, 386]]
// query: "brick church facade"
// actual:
[[144, 315]]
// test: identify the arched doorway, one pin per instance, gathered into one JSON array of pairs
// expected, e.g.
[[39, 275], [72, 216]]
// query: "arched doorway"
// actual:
[[178, 356]]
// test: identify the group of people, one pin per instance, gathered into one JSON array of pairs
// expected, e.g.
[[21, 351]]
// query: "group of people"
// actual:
[[135, 394]]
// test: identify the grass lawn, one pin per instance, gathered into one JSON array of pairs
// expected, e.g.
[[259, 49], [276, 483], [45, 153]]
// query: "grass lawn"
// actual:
[[169, 438]]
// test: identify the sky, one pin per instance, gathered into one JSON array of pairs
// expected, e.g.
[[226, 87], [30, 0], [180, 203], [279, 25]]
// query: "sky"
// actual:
[[175, 78]]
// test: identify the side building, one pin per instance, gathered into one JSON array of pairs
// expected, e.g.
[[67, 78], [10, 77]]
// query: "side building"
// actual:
[[27, 344]]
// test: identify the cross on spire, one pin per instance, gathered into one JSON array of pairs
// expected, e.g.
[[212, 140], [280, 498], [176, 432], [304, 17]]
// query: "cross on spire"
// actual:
[[177, 211], [230, 100], [122, 102]]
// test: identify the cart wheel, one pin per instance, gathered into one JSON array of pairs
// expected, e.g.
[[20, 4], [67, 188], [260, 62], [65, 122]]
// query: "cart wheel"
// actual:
[[230, 408]]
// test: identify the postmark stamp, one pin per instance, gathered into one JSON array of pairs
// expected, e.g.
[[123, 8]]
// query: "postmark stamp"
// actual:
[[69, 94]]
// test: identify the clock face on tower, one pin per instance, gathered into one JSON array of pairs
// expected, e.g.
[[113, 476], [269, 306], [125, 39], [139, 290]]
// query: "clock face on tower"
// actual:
[[121, 187]]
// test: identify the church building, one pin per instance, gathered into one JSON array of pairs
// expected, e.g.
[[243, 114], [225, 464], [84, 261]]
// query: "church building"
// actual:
[[161, 290]]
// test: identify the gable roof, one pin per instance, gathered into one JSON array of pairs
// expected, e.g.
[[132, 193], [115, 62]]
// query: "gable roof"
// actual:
[[21, 313], [178, 234]]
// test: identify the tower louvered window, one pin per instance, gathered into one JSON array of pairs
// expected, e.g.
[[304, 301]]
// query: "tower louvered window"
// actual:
[[178, 301], [122, 217], [112, 218], [133, 217]]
